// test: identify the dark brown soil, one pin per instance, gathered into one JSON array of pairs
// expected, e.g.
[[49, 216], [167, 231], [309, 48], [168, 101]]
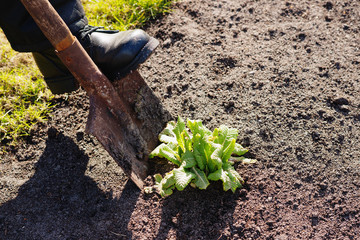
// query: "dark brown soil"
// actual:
[[286, 74]]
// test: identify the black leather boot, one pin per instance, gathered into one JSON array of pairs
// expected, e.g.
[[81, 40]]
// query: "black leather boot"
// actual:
[[115, 53]]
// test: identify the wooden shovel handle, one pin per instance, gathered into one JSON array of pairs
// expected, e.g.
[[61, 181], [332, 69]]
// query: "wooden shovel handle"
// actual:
[[50, 23]]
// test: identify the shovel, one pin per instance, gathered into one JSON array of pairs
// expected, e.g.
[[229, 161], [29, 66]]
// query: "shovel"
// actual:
[[125, 115]]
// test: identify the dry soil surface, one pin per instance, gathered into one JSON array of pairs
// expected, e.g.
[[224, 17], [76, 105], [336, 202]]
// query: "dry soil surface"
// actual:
[[285, 73]]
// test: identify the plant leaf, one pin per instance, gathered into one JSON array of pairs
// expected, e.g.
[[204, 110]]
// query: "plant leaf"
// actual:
[[233, 172], [168, 135], [156, 151], [187, 140], [148, 190], [249, 160], [215, 132], [178, 129], [158, 178], [226, 134], [216, 157], [201, 180], [166, 184], [208, 149], [168, 180], [229, 180], [182, 178], [199, 152], [226, 154], [196, 127], [165, 151], [226, 180], [243, 160], [234, 181], [215, 176], [169, 154], [188, 160], [239, 150], [168, 192]]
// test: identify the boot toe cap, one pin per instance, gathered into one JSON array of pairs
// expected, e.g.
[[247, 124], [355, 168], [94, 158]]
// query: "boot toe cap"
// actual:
[[117, 49]]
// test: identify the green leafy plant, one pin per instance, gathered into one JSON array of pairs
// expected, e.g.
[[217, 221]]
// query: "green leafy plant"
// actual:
[[200, 155]]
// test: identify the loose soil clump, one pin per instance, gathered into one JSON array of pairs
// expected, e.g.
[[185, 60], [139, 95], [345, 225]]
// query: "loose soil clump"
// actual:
[[286, 74]]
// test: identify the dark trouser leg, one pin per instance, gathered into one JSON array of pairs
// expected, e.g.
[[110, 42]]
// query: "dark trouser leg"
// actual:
[[56, 75]]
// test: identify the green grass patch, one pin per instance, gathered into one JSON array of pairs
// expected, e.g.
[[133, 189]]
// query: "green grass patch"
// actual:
[[24, 97], [124, 14]]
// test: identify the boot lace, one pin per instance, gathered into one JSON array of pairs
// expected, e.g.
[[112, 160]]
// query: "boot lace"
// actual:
[[87, 30]]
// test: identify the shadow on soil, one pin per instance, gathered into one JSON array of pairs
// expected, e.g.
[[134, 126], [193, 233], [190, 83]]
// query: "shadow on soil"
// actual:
[[60, 202], [212, 211]]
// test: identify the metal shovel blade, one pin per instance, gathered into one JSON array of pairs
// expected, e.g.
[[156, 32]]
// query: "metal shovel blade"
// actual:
[[129, 142]]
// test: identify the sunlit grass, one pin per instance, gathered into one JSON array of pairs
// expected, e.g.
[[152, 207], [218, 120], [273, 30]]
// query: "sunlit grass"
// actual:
[[24, 99], [124, 14]]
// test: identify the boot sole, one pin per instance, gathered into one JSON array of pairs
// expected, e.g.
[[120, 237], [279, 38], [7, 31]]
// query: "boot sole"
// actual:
[[142, 56]]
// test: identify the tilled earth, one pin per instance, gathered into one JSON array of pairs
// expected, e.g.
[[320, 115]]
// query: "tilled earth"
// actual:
[[285, 73]]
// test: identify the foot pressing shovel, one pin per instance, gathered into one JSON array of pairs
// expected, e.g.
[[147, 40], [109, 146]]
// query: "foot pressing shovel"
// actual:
[[125, 115]]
